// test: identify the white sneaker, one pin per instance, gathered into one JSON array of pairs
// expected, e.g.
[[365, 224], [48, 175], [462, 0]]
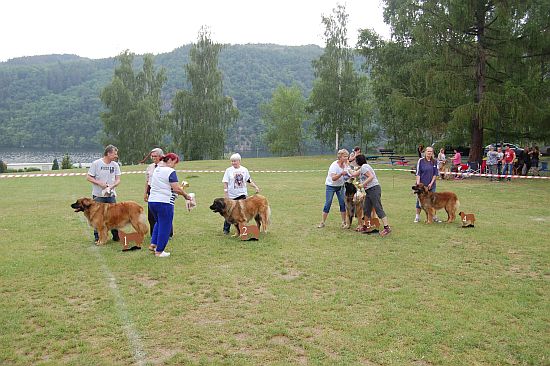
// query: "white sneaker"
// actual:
[[163, 254], [435, 219], [417, 219]]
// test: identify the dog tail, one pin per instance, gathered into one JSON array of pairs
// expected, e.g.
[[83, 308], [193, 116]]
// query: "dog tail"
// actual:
[[141, 226], [457, 204], [269, 215]]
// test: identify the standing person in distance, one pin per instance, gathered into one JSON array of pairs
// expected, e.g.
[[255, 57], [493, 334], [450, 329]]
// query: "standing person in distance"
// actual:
[[426, 173], [104, 174], [234, 182], [351, 160], [334, 183], [509, 157], [492, 163], [164, 190], [156, 154]]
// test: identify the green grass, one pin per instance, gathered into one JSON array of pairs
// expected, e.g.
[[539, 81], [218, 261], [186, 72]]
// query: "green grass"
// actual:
[[425, 295]]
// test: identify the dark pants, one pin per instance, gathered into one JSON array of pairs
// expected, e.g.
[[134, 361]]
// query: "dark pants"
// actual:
[[106, 200], [226, 225], [151, 219], [374, 199]]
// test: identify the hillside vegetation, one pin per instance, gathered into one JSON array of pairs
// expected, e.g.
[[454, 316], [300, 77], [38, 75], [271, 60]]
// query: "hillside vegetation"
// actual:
[[53, 101]]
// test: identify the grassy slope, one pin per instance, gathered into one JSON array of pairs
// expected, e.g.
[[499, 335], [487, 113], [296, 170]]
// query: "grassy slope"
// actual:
[[425, 295]]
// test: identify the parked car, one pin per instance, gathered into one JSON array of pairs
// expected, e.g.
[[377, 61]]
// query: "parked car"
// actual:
[[450, 150], [515, 147], [545, 150]]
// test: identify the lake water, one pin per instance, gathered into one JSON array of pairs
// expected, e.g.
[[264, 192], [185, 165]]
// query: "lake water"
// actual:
[[46, 156]]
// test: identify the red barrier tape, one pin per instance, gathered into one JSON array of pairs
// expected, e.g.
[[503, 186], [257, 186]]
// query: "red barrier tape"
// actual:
[[463, 174]]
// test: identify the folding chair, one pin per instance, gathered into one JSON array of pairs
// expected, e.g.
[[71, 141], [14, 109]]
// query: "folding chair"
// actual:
[[473, 167]]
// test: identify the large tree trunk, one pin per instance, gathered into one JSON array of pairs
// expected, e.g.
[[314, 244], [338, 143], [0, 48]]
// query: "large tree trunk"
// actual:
[[476, 142]]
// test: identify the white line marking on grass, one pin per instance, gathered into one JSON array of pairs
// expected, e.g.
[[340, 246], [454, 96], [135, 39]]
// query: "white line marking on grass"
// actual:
[[127, 324]]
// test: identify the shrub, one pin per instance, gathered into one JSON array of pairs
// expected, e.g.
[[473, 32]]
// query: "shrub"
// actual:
[[55, 165], [66, 162], [3, 167]]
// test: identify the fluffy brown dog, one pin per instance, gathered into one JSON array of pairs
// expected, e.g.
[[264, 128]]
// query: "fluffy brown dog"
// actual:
[[354, 200], [240, 212], [431, 202], [445, 170], [106, 216]]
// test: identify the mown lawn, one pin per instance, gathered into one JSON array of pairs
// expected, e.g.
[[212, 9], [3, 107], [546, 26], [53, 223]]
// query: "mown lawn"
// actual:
[[425, 295]]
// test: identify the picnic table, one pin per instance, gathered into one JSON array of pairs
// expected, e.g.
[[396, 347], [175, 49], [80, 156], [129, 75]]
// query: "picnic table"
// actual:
[[398, 159], [386, 152]]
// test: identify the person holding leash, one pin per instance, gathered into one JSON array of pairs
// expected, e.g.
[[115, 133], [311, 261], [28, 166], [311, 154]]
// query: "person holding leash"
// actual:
[[164, 190], [104, 174], [373, 191], [156, 154], [426, 173], [234, 182], [334, 183]]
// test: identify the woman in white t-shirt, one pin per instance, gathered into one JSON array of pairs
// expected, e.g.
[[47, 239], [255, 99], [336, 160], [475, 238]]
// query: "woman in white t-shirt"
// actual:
[[234, 180], [164, 189], [334, 183]]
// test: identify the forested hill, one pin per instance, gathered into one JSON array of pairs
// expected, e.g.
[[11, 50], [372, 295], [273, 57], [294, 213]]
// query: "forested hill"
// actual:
[[53, 101]]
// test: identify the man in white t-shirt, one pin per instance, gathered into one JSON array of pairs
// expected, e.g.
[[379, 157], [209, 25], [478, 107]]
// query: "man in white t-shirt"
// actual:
[[104, 174], [234, 182]]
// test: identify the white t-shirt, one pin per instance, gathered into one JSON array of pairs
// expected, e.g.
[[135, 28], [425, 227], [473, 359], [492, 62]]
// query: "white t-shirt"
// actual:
[[149, 172], [335, 169], [161, 191], [105, 173], [363, 176], [236, 181]]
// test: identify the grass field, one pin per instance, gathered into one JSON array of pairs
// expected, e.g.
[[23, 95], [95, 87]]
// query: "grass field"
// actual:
[[425, 295]]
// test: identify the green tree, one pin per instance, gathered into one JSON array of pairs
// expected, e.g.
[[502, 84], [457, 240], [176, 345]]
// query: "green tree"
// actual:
[[202, 115], [335, 96], [133, 122], [55, 165], [464, 68], [284, 117], [66, 162]]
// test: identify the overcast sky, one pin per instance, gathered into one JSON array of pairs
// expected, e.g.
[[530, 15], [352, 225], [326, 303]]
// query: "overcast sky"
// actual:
[[104, 28]]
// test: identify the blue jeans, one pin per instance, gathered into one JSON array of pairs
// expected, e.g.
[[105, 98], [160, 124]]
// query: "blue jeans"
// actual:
[[508, 169], [106, 200], [163, 214], [329, 194]]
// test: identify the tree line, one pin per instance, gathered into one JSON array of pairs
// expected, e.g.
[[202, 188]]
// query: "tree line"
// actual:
[[468, 72]]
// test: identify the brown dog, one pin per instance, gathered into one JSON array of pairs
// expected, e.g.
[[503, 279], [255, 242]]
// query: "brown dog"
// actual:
[[445, 170], [106, 216], [468, 220], [239, 212], [432, 201], [354, 200]]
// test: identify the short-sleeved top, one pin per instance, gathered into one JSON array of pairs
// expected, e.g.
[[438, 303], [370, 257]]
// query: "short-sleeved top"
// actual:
[[426, 170], [492, 157], [363, 176], [105, 173], [509, 156], [334, 169], [161, 191], [236, 179], [149, 172], [457, 159]]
